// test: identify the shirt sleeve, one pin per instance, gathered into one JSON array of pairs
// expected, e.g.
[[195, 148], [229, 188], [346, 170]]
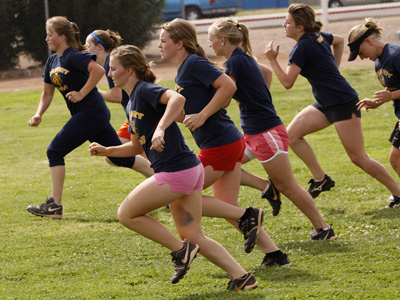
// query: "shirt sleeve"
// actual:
[[234, 68], [205, 72], [328, 37], [46, 74], [80, 60], [298, 54]]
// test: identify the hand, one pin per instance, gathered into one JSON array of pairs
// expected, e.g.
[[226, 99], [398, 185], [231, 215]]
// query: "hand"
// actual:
[[270, 53], [194, 121], [35, 121], [157, 141], [383, 96], [74, 96], [97, 150], [368, 104]]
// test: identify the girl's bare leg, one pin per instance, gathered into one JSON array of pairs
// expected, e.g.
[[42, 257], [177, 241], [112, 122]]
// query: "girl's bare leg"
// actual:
[[394, 158], [280, 171], [187, 215], [351, 136], [307, 121], [57, 174], [146, 197], [226, 188]]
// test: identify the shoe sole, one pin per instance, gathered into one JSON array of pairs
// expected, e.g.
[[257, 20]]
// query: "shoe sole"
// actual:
[[192, 256], [249, 248], [275, 203], [251, 287], [45, 215], [332, 238]]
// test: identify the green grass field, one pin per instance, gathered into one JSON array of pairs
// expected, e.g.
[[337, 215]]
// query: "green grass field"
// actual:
[[90, 255]]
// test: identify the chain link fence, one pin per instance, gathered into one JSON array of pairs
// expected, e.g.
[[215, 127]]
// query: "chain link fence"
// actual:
[[23, 24]]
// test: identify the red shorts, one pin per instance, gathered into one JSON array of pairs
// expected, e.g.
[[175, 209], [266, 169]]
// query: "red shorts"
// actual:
[[223, 158], [123, 131], [268, 144]]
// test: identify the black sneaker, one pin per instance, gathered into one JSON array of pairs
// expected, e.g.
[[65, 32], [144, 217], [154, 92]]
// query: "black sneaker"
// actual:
[[48, 209], [394, 201], [182, 259], [317, 188], [250, 228], [249, 282], [274, 197], [320, 234], [283, 260]]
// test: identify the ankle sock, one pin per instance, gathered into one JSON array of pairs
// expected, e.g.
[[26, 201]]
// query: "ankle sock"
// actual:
[[245, 215], [275, 255]]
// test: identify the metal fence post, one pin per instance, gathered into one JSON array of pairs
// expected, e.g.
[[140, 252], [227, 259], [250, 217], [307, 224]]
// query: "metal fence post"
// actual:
[[46, 14]]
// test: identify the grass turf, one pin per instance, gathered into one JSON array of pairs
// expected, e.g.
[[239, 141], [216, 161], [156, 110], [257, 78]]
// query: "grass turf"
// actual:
[[90, 255]]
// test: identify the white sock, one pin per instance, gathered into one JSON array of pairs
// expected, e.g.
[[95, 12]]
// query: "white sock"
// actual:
[[266, 189]]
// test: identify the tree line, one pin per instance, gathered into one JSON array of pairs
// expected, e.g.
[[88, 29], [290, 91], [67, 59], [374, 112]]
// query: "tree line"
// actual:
[[23, 28]]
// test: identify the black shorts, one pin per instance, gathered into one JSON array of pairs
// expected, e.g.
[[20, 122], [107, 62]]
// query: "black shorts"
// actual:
[[395, 136], [339, 112]]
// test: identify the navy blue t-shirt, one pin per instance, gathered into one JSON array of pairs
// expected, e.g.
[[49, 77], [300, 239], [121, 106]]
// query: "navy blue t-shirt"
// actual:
[[313, 55], [193, 80], [144, 112], [125, 97], [70, 73], [387, 68], [257, 113]]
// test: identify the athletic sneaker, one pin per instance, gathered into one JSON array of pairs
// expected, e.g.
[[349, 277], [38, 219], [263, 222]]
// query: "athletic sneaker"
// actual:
[[182, 259], [320, 234], [248, 282], [274, 197], [48, 209], [283, 260], [317, 187], [394, 202], [250, 228]]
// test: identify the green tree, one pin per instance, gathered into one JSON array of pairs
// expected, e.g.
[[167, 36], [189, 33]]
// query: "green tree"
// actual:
[[10, 33], [25, 22]]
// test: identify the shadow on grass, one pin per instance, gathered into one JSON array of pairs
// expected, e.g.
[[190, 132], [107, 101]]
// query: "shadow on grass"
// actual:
[[318, 247], [86, 218], [228, 295], [383, 213], [279, 275]]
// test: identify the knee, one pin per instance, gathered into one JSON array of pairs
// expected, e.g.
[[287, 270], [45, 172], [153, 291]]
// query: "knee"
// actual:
[[358, 160], [394, 162], [55, 157], [294, 138], [109, 161], [126, 162], [123, 216]]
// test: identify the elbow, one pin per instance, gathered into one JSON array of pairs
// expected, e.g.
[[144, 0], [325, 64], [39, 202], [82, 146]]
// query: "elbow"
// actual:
[[288, 86], [181, 100], [232, 91]]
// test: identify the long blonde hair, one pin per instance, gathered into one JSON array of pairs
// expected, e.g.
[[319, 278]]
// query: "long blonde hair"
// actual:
[[236, 33], [131, 56], [61, 25]]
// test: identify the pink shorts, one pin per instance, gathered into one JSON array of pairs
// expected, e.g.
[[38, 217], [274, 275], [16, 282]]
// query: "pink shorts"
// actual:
[[223, 158], [182, 182], [268, 144], [123, 131]]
